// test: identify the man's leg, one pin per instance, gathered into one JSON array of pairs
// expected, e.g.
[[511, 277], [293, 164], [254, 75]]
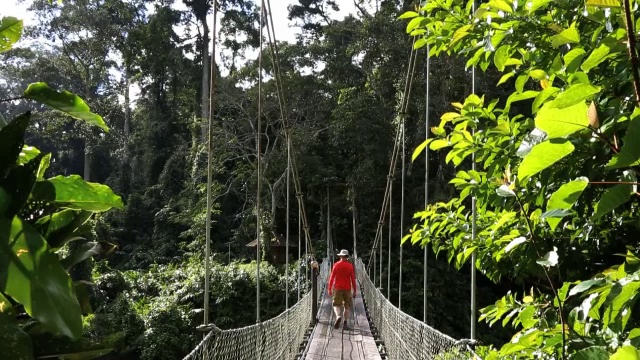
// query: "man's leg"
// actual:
[[337, 307], [347, 307]]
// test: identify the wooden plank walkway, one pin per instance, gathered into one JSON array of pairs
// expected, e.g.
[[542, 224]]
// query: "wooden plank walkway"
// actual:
[[328, 343]]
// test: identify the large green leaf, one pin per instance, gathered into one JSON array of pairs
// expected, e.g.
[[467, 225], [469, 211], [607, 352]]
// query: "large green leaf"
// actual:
[[32, 275], [64, 101], [63, 226], [10, 32], [565, 197], [597, 56], [18, 184], [11, 141], [575, 94], [612, 198], [562, 122], [604, 3], [626, 353], [592, 353], [72, 192], [629, 155], [567, 36], [15, 344], [544, 155]]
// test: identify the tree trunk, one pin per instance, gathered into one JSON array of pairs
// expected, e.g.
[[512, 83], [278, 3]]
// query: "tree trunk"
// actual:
[[205, 79], [127, 114]]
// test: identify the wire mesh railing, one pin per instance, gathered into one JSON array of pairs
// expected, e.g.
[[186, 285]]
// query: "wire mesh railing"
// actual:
[[404, 336], [276, 338]]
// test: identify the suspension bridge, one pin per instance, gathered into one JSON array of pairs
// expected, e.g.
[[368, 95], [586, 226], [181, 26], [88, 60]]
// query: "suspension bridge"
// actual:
[[377, 329]]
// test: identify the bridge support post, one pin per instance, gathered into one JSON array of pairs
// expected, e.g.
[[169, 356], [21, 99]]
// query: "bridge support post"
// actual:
[[314, 294]]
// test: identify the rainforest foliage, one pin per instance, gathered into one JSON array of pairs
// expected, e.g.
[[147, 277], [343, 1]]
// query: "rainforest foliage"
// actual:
[[103, 193], [555, 182]]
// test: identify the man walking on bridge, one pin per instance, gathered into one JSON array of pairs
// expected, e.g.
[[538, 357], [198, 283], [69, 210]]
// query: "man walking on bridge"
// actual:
[[342, 280]]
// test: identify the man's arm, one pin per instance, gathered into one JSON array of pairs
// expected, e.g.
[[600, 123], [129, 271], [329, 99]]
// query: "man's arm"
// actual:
[[332, 278], [353, 280]]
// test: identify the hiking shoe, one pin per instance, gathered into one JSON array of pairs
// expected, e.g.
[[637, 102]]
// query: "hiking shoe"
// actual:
[[337, 323]]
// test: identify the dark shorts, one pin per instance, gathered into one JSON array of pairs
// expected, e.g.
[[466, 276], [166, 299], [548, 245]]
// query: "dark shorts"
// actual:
[[342, 296]]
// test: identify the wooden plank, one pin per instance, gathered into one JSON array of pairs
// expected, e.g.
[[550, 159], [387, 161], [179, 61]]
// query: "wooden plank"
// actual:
[[354, 344]]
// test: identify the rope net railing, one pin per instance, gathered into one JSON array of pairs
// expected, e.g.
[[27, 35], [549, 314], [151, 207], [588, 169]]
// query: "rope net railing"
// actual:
[[277, 338], [404, 336]]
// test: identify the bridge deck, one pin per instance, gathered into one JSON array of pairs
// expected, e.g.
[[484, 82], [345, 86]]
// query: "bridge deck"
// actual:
[[338, 344]]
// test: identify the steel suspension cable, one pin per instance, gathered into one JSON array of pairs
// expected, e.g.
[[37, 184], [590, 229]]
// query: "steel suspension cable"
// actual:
[[259, 148], [394, 159], [286, 271], [273, 46], [426, 188], [207, 265], [404, 150], [425, 262], [390, 236], [395, 151], [474, 216]]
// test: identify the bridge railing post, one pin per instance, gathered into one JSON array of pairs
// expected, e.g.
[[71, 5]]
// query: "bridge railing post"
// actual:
[[314, 294]]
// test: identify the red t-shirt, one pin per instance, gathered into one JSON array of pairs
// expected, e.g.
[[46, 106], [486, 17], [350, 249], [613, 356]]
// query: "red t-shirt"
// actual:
[[343, 276]]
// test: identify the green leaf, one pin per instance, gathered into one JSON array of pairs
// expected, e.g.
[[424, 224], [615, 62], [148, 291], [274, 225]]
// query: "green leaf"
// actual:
[[555, 214], [439, 144], [515, 242], [592, 353], [500, 57], [27, 154], [574, 95], [505, 77], [544, 155], [12, 141], [15, 344], [500, 5], [634, 337], [419, 43], [537, 4], [419, 150], [618, 310], [72, 192], [542, 97], [529, 94], [63, 226], [80, 253], [18, 183], [597, 56], [408, 15], [32, 275], [572, 59], [604, 3], [567, 36], [629, 155], [64, 101], [521, 81], [626, 353], [538, 74], [414, 23], [10, 32], [460, 33], [565, 197], [612, 198], [585, 285], [562, 122], [549, 259]]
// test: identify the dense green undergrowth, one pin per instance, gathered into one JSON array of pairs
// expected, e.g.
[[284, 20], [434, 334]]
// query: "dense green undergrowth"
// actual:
[[152, 313]]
